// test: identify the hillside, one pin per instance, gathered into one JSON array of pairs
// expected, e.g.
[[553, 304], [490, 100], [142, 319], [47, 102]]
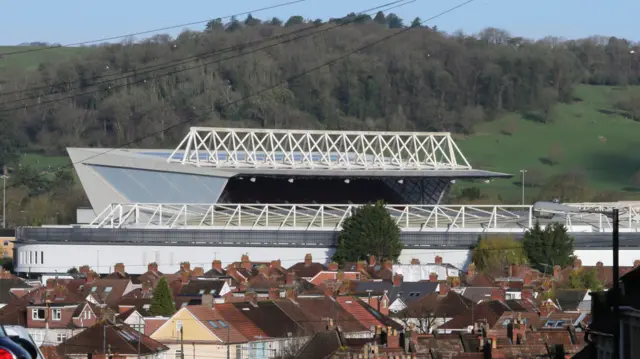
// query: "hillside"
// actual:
[[29, 61], [565, 111], [593, 138]]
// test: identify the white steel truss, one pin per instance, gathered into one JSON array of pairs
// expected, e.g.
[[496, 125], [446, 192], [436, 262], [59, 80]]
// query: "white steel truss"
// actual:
[[410, 218], [307, 149]]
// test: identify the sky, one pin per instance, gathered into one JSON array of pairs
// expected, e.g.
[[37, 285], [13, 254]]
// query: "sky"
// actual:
[[75, 21]]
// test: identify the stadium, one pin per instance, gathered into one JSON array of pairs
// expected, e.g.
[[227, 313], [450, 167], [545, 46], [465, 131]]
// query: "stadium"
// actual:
[[279, 194]]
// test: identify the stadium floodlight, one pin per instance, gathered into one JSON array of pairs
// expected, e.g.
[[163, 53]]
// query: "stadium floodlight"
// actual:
[[290, 180], [347, 181], [253, 179]]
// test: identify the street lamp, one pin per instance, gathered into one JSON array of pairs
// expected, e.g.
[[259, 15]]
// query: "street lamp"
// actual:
[[523, 171], [615, 214]]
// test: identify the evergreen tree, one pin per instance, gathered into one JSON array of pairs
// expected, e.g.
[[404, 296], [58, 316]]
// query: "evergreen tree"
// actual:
[[497, 252], [370, 230], [380, 19], [548, 247], [162, 301], [416, 22]]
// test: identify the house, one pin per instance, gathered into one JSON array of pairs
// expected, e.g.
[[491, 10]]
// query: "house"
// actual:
[[107, 338], [306, 270], [202, 331], [140, 319], [416, 272], [108, 291], [195, 289], [11, 287], [398, 292]]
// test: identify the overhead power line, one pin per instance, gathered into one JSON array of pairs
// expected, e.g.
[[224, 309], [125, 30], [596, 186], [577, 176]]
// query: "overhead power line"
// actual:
[[196, 57], [254, 94], [146, 32], [192, 58]]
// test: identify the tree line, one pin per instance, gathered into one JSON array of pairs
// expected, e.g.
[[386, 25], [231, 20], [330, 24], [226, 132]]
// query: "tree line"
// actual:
[[423, 79]]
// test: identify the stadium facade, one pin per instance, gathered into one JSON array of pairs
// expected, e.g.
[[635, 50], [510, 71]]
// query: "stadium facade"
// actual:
[[281, 194]]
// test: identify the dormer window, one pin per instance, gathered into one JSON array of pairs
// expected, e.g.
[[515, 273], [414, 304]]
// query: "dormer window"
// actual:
[[37, 314]]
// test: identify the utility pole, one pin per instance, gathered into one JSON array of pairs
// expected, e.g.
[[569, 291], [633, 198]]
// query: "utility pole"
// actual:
[[181, 342], [523, 171], [4, 199], [616, 283], [228, 338]]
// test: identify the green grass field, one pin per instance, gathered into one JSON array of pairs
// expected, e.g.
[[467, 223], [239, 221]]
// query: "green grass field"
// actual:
[[592, 135], [30, 61]]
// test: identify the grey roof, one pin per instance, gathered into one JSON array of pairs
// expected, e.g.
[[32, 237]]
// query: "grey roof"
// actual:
[[572, 299], [6, 284], [476, 294], [406, 291]]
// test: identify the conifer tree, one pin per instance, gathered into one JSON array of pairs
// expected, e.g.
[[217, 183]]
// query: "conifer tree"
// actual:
[[162, 301]]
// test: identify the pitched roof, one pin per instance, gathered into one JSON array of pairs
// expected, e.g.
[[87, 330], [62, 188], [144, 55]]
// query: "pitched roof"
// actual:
[[570, 299], [240, 322], [321, 345], [477, 294], [407, 291], [269, 318], [314, 314], [6, 284], [304, 270], [216, 323], [200, 287], [120, 338], [364, 314], [107, 291]]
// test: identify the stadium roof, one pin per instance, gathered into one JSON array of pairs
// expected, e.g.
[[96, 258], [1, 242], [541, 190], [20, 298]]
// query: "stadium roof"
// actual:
[[198, 169]]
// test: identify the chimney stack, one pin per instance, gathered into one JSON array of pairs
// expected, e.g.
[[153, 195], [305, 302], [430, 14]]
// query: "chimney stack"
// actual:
[[393, 339], [185, 266], [197, 272], [360, 266], [397, 280], [274, 293], [556, 270], [51, 283], [372, 261], [276, 264], [388, 265], [577, 264], [444, 288], [513, 270], [245, 262], [636, 263], [333, 266], [498, 294], [471, 270], [438, 260], [415, 261], [216, 265], [152, 267], [433, 277], [527, 279], [291, 294], [289, 278], [84, 270], [308, 259], [91, 276], [119, 268]]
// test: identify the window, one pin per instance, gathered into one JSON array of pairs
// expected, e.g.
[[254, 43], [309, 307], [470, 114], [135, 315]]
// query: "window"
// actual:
[[138, 327], [87, 314], [41, 257], [201, 291], [238, 352], [30, 257], [384, 304], [178, 354], [6, 243], [107, 290], [554, 324], [93, 290], [61, 337], [222, 324], [213, 324], [57, 314], [212, 292], [37, 314], [178, 326]]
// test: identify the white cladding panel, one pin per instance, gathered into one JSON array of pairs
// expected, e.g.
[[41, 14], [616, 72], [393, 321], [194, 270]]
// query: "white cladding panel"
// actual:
[[51, 258]]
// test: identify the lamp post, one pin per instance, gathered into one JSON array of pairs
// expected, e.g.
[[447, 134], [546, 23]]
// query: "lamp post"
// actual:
[[615, 214], [523, 171]]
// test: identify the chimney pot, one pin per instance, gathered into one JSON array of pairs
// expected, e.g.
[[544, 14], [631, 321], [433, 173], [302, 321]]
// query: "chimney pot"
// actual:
[[397, 280], [197, 272], [119, 268], [599, 264], [471, 270], [246, 263], [438, 260], [217, 265], [433, 277]]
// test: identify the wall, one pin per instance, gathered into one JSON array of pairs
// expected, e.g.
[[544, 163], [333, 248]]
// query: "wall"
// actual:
[[103, 257], [6, 249]]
